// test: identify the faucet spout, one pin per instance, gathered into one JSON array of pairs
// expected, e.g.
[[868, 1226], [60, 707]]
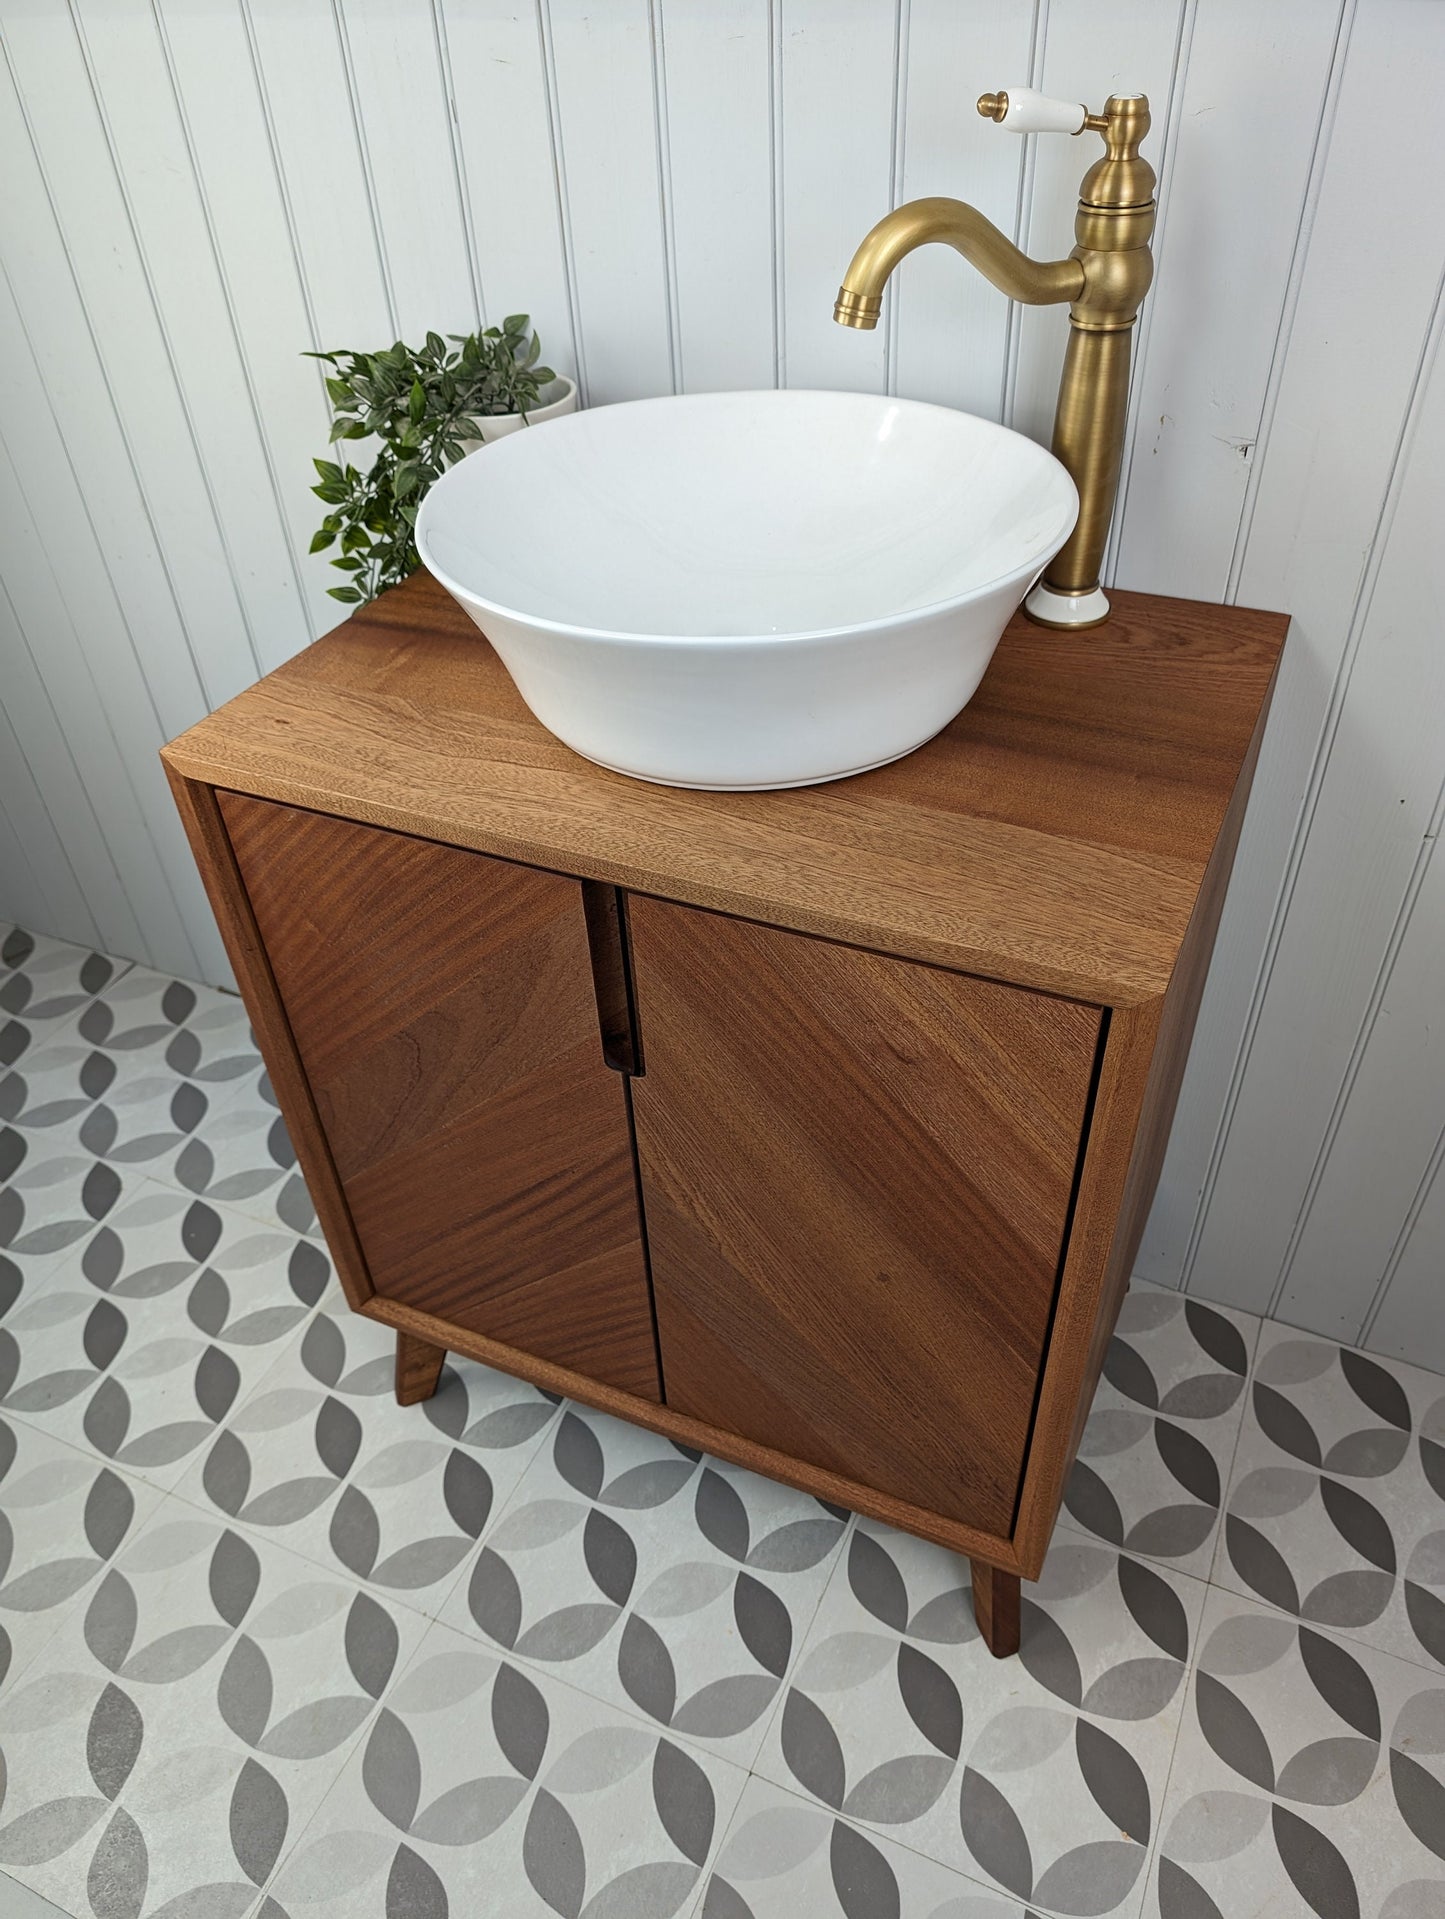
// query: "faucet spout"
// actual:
[[956, 224]]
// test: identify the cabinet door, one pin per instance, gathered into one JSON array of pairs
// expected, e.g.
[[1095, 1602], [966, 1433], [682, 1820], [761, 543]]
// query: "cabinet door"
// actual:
[[443, 1007], [856, 1173]]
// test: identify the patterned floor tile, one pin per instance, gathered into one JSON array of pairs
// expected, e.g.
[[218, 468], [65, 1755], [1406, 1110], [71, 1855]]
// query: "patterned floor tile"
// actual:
[[661, 1580], [1336, 1509], [187, 1720], [322, 1456], [43, 983], [63, 1517], [785, 1858], [243, 1156], [50, 1197], [485, 1790], [141, 1343], [1156, 1453], [1039, 1775], [136, 1074], [1309, 1778]]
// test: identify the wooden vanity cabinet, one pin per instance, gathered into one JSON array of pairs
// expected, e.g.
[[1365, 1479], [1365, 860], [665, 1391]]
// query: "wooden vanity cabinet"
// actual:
[[816, 1128]]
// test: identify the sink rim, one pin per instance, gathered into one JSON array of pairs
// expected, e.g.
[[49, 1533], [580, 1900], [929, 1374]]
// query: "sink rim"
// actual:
[[888, 622]]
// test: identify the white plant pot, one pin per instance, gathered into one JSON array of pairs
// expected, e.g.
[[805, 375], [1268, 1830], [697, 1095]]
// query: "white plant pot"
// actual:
[[557, 397]]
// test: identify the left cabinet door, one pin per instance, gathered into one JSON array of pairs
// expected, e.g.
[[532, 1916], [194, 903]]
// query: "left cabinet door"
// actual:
[[443, 1007]]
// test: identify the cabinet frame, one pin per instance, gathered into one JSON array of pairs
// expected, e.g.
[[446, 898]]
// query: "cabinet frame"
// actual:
[[1143, 1046]]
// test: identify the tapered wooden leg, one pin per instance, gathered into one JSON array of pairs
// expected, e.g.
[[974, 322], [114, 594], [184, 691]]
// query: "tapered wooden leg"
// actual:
[[996, 1608], [418, 1368]]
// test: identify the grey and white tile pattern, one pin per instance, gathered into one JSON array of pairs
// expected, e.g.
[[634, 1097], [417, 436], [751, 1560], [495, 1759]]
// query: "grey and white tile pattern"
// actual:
[[1336, 1511], [272, 1646]]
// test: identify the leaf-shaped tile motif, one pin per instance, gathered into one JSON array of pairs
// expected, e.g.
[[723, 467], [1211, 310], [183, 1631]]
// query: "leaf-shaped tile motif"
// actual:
[[1095, 1877], [1341, 1681], [993, 1834], [577, 1455], [1317, 1868], [876, 1582], [569, 1632], [764, 1624], [1189, 1460], [1181, 1896], [1350, 1598], [521, 1720], [598, 1758], [1220, 1338], [655, 1890], [725, 1706], [862, 1878], [645, 1486], [1359, 1522], [1421, 1799], [900, 1789], [721, 1516], [1114, 1779], [413, 1889], [391, 1770], [1259, 1564], [610, 1556], [467, 1814], [1283, 1422], [1088, 1499], [119, 1870], [113, 1740], [1377, 1387], [644, 1665], [685, 1801], [796, 1545], [494, 1598], [552, 1856], [1233, 1731], [931, 1699], [812, 1750], [1047, 1656], [1328, 1772], [259, 1820]]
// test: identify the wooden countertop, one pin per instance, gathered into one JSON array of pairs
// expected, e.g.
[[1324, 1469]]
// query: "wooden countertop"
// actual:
[[1054, 835]]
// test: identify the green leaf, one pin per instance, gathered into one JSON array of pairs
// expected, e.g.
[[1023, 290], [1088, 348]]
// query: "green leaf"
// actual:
[[349, 563], [321, 540], [416, 404], [351, 594], [331, 491], [328, 469], [339, 390]]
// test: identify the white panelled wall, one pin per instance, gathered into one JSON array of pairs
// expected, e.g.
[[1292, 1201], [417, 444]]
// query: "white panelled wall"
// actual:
[[197, 190]]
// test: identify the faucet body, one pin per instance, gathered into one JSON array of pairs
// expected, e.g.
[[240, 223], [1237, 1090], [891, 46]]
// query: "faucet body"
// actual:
[[1103, 282]]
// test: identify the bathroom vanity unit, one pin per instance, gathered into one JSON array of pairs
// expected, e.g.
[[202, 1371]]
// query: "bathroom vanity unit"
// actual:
[[815, 1128]]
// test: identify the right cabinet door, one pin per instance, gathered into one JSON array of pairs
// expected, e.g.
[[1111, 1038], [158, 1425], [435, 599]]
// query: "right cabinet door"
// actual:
[[856, 1174]]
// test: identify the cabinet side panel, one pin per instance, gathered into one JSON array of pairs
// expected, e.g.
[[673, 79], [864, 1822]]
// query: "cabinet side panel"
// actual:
[[857, 1173], [443, 1007], [1144, 1062], [226, 891]]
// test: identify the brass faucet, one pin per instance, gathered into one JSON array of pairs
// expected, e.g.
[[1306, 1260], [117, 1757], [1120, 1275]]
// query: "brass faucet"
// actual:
[[1104, 280]]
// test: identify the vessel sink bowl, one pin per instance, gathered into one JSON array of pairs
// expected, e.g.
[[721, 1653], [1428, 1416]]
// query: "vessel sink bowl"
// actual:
[[748, 590]]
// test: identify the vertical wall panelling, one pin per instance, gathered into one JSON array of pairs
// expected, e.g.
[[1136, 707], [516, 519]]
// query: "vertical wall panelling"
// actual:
[[608, 133], [1249, 114], [217, 94], [838, 83], [1407, 1324], [1388, 1118], [1334, 435], [1373, 805], [393, 53], [504, 131], [40, 885], [83, 202], [715, 63], [952, 327], [1091, 48], [196, 194], [148, 134], [303, 89]]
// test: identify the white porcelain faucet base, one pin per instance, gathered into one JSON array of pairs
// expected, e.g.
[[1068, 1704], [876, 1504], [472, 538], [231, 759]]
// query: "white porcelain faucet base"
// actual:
[[1049, 608]]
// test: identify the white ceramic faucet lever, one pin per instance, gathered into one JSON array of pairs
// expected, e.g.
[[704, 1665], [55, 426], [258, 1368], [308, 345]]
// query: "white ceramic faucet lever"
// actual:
[[1024, 110]]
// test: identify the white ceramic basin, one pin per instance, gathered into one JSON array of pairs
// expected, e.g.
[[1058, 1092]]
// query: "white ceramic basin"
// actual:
[[748, 589]]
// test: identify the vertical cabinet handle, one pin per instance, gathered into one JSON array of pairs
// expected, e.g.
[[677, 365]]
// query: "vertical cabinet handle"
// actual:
[[606, 911]]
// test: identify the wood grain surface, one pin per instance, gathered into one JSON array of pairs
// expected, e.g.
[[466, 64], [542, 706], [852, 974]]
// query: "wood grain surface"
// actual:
[[996, 1599], [418, 1368], [442, 1004], [1054, 835], [856, 1173]]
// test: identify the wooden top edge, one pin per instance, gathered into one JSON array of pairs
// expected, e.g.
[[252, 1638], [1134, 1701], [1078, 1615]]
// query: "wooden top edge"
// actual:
[[1054, 836]]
